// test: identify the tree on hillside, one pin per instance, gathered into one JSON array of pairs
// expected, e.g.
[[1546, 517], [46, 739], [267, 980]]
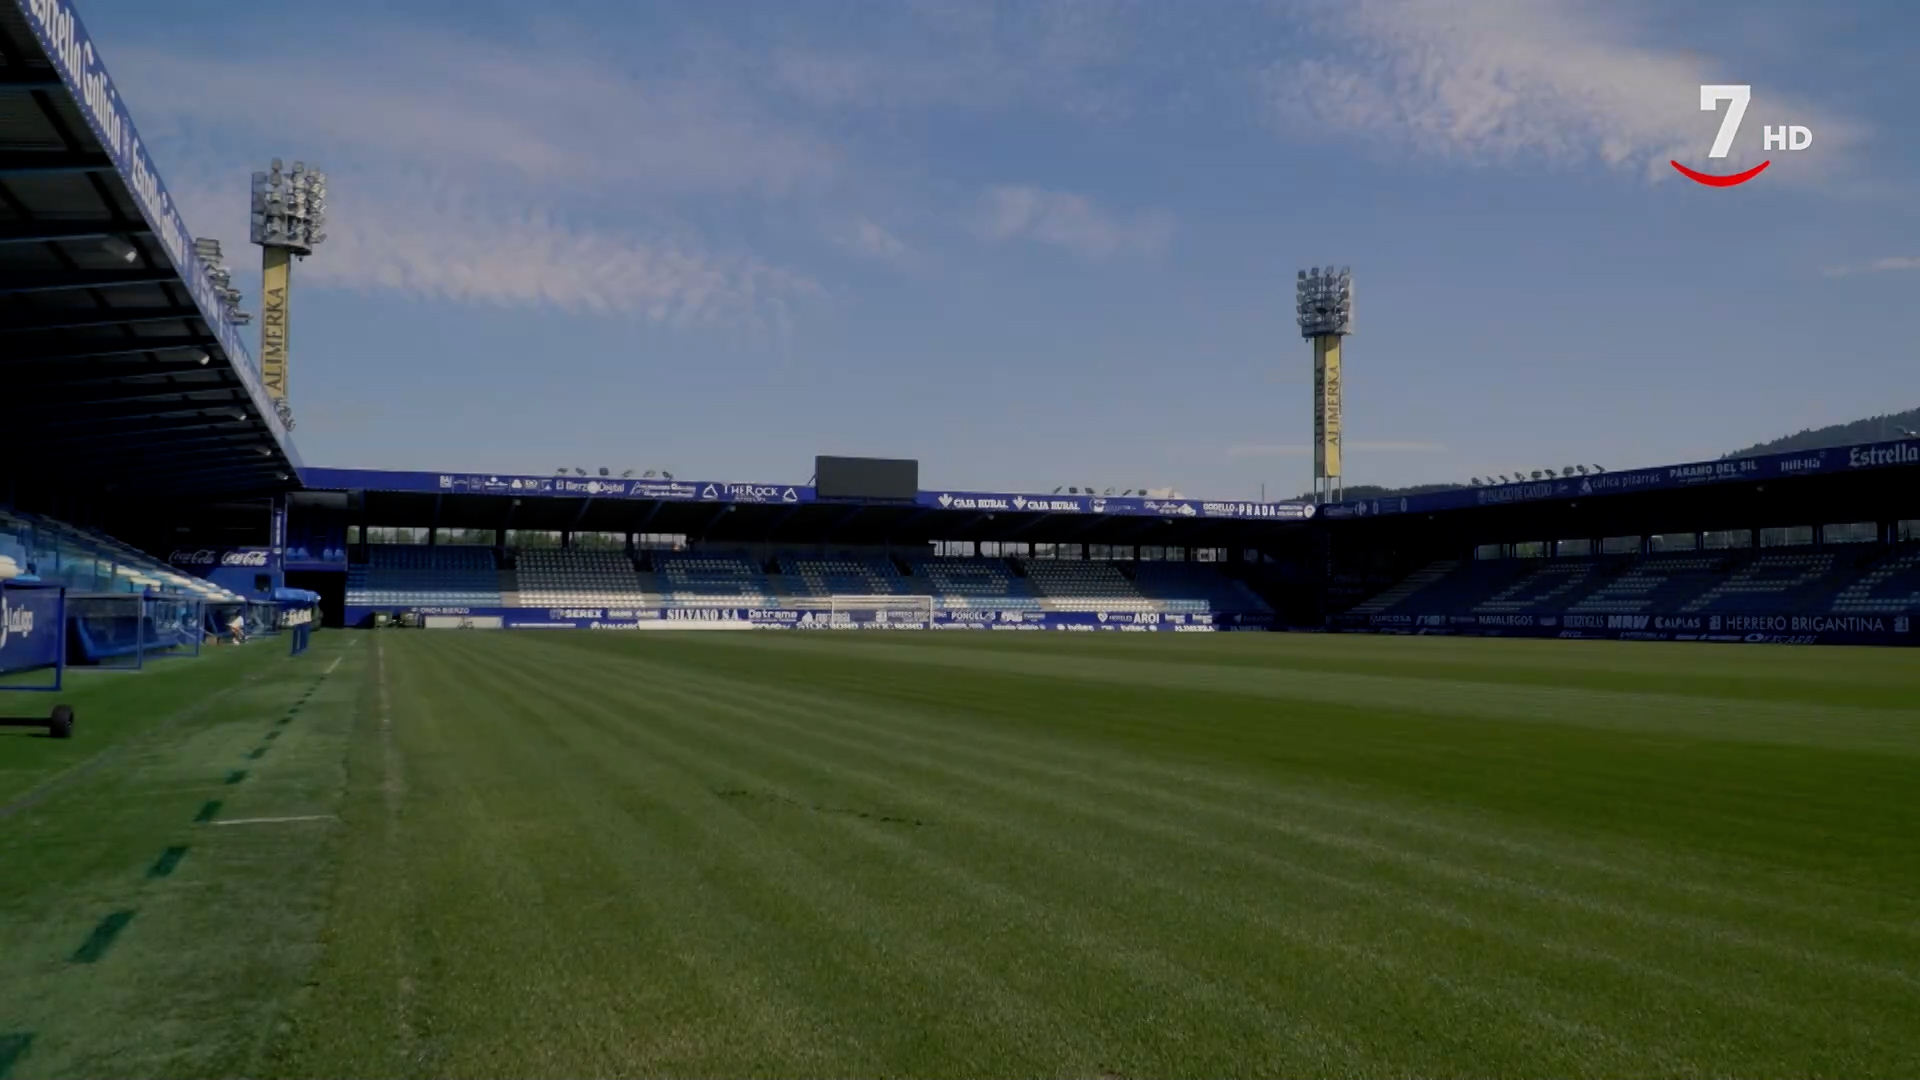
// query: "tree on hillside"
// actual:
[[1872, 429]]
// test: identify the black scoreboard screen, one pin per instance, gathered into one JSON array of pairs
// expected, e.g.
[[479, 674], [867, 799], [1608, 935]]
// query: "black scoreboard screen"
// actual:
[[865, 478]]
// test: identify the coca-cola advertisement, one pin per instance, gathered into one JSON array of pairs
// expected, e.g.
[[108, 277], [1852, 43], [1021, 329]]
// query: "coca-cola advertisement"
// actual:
[[219, 557]]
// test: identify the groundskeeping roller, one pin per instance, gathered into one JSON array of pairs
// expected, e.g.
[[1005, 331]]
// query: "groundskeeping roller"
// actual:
[[33, 624]]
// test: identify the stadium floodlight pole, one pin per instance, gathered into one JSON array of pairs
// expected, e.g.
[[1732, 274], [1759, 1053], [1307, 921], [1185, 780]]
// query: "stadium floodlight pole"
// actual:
[[289, 216], [1323, 302]]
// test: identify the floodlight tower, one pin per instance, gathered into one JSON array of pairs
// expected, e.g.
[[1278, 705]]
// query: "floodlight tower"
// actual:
[[1323, 300], [289, 212]]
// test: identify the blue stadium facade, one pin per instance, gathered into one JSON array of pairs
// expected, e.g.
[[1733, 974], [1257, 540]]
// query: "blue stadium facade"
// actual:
[[140, 456]]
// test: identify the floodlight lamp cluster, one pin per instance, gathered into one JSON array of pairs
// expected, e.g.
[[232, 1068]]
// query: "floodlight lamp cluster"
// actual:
[[208, 251], [290, 207], [1323, 301], [607, 472], [1521, 476]]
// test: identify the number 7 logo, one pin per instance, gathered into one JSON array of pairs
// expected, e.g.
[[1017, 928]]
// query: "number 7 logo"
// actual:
[[1710, 99], [1737, 98]]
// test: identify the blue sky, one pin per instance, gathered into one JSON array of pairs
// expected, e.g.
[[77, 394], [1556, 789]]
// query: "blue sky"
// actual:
[[1043, 243]]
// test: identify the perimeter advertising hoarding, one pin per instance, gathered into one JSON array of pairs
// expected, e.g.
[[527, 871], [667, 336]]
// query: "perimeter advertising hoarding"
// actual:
[[30, 628], [1707, 626], [57, 27], [717, 618]]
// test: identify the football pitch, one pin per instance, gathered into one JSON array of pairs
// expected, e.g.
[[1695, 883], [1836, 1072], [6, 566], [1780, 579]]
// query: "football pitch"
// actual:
[[970, 854]]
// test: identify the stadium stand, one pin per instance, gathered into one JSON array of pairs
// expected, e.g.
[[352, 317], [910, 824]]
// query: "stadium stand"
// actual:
[[47, 551], [558, 577], [1071, 585], [302, 553], [403, 575], [1547, 585], [712, 580], [1868, 580], [1655, 583], [1401, 591], [1195, 588], [1792, 581], [958, 584], [840, 575], [1887, 586]]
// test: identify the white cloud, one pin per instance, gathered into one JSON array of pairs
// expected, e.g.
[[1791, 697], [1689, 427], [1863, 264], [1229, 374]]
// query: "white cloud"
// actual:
[[869, 240], [1526, 80], [1048, 54], [478, 175], [1891, 262], [459, 106], [1072, 222], [1270, 450], [438, 243]]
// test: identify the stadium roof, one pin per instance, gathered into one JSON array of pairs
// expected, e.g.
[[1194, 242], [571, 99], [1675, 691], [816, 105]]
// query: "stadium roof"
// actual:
[[120, 369], [791, 513], [1872, 458]]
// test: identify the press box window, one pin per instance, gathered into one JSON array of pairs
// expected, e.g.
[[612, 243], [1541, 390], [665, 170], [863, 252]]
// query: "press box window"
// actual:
[[1852, 532]]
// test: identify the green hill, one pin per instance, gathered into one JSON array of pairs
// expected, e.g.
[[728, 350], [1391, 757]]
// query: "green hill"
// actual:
[[1375, 491], [1872, 429]]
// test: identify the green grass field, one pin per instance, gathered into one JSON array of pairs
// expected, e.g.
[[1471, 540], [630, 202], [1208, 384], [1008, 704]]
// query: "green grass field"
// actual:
[[570, 854]]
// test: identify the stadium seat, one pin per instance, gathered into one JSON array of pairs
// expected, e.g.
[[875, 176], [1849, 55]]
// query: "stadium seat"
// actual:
[[418, 575], [1781, 582], [1655, 583], [1548, 585], [1403, 590], [1888, 586], [1069, 585], [713, 580], [563, 577], [840, 575], [1197, 588], [962, 584]]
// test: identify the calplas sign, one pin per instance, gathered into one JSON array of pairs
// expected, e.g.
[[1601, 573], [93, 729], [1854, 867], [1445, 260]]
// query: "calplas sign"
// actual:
[[66, 42]]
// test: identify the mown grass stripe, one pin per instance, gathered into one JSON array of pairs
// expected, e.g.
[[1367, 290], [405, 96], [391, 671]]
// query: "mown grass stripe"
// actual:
[[207, 811], [169, 859], [257, 753], [236, 776], [13, 1047], [104, 935]]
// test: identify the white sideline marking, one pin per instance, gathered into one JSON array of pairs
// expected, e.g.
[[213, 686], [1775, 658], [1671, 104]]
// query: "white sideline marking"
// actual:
[[335, 664], [276, 820]]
